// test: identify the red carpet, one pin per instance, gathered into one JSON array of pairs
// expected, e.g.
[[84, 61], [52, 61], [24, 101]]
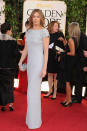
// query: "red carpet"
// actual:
[[55, 117]]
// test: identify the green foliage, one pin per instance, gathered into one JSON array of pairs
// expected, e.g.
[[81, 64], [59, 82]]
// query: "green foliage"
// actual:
[[11, 18], [76, 12], [13, 13]]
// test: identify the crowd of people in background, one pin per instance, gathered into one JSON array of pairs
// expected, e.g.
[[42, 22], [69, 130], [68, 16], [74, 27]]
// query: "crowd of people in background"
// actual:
[[72, 62], [44, 50]]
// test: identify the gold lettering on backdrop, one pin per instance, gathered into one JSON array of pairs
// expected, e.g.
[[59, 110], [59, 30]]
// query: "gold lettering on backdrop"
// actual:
[[44, 5], [50, 15], [53, 10]]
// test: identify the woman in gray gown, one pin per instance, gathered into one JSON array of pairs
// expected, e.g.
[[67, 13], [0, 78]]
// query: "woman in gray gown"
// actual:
[[37, 41]]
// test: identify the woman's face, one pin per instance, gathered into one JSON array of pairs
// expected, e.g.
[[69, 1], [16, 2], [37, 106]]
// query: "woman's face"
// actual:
[[36, 19], [9, 32], [55, 28]]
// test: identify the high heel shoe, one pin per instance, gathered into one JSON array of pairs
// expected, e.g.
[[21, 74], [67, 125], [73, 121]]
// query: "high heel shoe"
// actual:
[[67, 104], [3, 109], [11, 108], [46, 96], [53, 98], [63, 103]]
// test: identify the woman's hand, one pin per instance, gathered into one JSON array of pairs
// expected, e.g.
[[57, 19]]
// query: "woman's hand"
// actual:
[[43, 73], [21, 51], [85, 69], [58, 52], [19, 64], [59, 59], [85, 53], [61, 38]]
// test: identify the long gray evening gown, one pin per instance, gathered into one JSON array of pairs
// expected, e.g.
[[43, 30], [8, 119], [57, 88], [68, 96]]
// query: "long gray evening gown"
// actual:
[[34, 41]]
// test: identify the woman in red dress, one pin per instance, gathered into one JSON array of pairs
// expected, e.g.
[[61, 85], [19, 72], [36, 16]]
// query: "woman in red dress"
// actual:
[[22, 76]]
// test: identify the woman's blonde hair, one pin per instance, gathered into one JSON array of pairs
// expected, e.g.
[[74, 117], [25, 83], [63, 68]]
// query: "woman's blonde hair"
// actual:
[[74, 31], [51, 24], [42, 18]]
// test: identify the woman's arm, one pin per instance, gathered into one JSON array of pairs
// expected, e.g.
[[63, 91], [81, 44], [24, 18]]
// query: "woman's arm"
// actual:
[[63, 40], [85, 69], [46, 44], [24, 54], [71, 47], [85, 53]]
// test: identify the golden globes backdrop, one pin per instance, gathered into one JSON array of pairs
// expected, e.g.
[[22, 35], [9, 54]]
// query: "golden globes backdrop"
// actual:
[[2, 15], [53, 10]]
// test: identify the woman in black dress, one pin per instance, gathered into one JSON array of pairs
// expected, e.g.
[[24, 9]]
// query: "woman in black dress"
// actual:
[[71, 57], [56, 39]]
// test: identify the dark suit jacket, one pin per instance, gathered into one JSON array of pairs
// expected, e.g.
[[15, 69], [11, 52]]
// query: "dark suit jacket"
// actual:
[[82, 46], [9, 54]]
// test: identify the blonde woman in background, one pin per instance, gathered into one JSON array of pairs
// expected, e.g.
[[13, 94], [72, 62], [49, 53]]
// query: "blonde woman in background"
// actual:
[[73, 43]]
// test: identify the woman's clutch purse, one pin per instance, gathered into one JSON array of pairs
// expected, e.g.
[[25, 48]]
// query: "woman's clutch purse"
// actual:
[[59, 49], [23, 67]]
